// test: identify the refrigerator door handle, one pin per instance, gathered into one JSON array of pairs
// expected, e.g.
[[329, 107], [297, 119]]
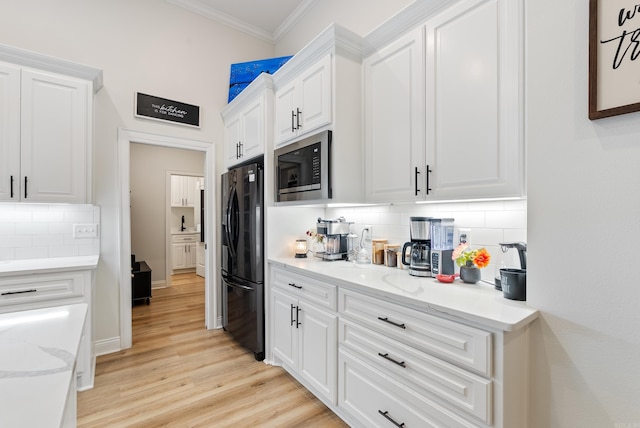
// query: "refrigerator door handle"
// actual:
[[232, 230]]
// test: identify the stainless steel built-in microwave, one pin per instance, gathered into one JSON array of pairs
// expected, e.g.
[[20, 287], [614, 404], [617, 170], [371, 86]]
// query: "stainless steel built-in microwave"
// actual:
[[303, 169]]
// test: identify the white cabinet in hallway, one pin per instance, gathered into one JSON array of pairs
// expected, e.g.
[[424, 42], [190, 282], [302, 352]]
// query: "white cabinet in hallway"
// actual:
[[184, 190], [45, 137], [184, 250]]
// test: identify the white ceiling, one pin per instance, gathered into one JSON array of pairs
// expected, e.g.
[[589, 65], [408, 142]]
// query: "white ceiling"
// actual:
[[268, 20]]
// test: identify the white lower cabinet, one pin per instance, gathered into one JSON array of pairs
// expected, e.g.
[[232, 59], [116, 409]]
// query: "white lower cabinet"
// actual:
[[184, 249], [429, 358], [379, 363], [375, 399], [34, 291], [304, 335]]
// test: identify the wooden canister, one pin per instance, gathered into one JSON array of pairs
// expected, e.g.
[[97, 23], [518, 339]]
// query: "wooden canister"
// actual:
[[377, 251]]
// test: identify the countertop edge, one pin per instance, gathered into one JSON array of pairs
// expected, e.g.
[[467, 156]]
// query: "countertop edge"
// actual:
[[46, 265], [527, 316]]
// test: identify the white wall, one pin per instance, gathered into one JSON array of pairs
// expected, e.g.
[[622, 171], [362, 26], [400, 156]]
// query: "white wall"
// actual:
[[147, 46], [359, 16], [583, 227], [149, 167]]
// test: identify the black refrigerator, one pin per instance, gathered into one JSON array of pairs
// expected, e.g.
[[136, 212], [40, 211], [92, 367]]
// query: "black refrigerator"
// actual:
[[243, 256]]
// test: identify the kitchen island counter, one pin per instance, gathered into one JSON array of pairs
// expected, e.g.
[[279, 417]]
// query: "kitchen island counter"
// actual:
[[476, 303], [38, 351]]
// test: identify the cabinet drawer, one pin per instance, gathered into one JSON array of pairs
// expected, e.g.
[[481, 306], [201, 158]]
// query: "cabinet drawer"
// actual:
[[178, 239], [35, 288], [465, 346], [376, 399], [310, 289], [469, 392]]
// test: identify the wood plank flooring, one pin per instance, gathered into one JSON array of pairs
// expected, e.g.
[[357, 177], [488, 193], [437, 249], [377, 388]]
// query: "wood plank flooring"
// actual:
[[178, 374]]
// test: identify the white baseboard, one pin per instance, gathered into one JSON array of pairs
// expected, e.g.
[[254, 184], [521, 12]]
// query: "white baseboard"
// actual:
[[159, 284], [107, 346]]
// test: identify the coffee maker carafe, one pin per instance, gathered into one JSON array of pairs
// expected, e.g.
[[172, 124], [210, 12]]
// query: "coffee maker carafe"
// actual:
[[420, 255]]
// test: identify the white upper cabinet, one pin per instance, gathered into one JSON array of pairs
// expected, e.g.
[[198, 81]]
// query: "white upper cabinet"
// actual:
[[247, 119], [320, 89], [474, 114], [244, 133], [9, 132], [184, 190], [46, 126], [394, 126], [304, 104], [444, 121], [55, 128]]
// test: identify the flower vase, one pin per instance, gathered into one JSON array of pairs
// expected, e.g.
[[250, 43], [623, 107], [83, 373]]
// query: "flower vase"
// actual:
[[470, 273]]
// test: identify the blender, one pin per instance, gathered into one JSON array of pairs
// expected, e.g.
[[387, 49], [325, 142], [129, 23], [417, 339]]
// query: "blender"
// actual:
[[420, 255]]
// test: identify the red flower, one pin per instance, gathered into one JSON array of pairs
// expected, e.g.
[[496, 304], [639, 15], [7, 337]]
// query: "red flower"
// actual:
[[482, 258]]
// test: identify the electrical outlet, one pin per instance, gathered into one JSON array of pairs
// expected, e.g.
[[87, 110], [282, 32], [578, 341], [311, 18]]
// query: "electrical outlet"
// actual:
[[369, 234], [85, 230], [464, 235]]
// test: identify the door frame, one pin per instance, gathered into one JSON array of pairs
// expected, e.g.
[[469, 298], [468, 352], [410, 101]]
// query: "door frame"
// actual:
[[125, 138]]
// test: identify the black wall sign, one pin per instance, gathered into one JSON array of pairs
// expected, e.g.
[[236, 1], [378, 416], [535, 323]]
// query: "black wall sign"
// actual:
[[164, 109]]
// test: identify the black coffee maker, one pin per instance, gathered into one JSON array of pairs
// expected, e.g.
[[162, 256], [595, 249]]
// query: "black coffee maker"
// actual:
[[420, 255]]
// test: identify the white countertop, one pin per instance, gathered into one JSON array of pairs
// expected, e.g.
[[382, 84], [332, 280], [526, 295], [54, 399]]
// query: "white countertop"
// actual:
[[479, 303], [38, 349], [54, 264], [185, 232]]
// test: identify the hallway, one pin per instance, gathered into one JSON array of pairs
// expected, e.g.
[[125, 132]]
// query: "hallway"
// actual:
[[179, 374]]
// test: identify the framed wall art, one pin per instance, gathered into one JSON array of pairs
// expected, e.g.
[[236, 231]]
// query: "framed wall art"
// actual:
[[156, 108], [614, 57]]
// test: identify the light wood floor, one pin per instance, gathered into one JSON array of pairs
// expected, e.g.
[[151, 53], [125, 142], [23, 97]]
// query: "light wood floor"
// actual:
[[178, 374]]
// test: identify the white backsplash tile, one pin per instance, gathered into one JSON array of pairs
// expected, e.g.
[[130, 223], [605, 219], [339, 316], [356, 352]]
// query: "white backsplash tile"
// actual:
[[34, 231], [490, 222]]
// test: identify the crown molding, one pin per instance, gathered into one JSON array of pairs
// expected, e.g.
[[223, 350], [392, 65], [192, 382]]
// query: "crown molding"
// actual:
[[402, 22], [223, 18], [293, 19], [48, 63], [216, 15]]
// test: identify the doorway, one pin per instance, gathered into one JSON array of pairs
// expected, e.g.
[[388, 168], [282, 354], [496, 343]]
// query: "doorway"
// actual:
[[125, 139]]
